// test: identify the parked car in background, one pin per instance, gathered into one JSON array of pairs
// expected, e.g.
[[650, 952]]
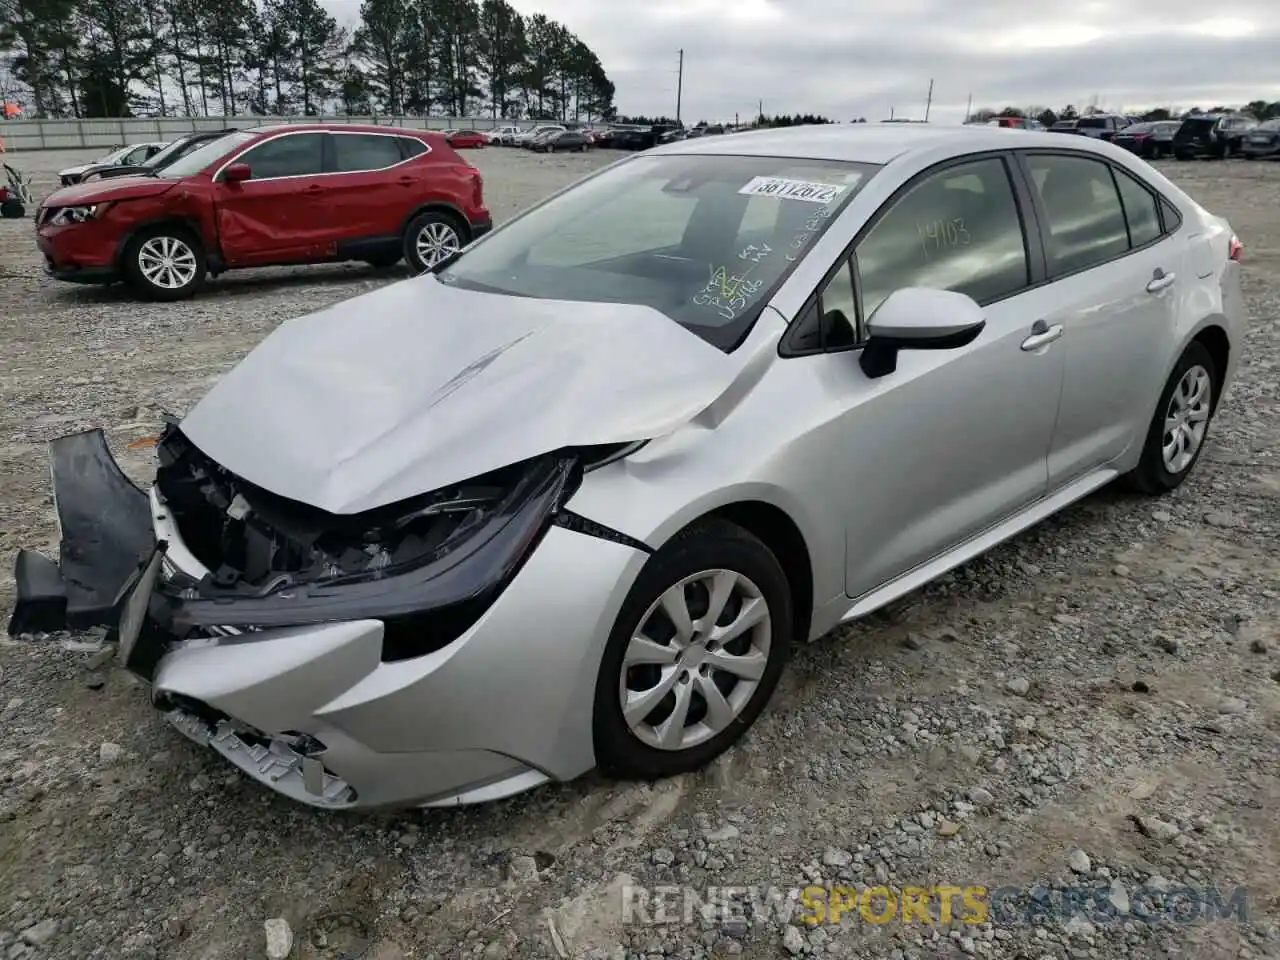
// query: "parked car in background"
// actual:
[[535, 142], [131, 156], [502, 135], [294, 193], [641, 138], [1150, 140], [1263, 140], [1063, 126], [525, 137], [1017, 123], [174, 151], [561, 141], [466, 139], [573, 499], [1101, 126], [1212, 135]]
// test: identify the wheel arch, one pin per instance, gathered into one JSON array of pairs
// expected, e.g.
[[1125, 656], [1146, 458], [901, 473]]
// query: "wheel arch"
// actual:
[[439, 206], [775, 528], [1213, 336], [188, 224]]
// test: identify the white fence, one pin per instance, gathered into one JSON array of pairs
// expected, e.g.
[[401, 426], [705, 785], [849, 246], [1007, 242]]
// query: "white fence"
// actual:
[[75, 134]]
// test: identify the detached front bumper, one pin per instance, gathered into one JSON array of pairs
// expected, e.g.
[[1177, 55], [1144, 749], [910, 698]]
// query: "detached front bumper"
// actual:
[[314, 711]]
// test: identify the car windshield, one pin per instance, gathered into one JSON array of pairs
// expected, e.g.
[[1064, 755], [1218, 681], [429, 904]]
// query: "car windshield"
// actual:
[[1198, 123], [704, 240], [117, 155], [1091, 122], [171, 152], [203, 156], [1064, 125], [1140, 128]]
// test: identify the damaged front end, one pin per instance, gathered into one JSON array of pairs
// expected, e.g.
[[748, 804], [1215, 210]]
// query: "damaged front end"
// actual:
[[240, 558], [249, 613]]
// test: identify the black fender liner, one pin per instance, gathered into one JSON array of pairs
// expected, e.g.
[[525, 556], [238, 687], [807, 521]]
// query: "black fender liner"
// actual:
[[107, 534]]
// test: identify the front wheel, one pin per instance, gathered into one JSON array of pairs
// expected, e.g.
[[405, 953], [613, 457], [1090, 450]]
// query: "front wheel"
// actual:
[[695, 654], [431, 238], [165, 263], [1176, 436]]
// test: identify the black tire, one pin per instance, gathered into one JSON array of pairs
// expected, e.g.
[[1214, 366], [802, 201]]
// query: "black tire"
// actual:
[[12, 210], [142, 243], [1151, 476], [708, 546], [435, 221]]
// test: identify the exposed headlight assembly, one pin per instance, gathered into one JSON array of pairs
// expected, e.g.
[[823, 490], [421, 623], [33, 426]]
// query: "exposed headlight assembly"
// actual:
[[80, 214]]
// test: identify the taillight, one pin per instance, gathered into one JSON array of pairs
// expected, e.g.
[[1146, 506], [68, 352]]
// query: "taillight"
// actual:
[[477, 184], [1234, 249]]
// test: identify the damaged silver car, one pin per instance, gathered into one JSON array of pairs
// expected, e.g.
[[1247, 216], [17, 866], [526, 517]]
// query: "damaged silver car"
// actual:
[[568, 500]]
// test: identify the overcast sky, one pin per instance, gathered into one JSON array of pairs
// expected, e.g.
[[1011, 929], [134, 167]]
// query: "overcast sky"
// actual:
[[846, 60]]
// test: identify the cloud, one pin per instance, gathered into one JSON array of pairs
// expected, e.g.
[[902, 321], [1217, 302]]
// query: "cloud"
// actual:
[[848, 60]]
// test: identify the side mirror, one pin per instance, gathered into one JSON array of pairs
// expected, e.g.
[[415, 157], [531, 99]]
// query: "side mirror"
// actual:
[[916, 318], [237, 173]]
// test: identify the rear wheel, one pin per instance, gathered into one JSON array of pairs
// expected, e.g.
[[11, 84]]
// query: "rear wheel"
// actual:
[[165, 263], [12, 210], [432, 237], [695, 654], [1176, 436]]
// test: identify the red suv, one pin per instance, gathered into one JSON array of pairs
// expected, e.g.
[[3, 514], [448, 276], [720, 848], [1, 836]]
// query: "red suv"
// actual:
[[298, 193]]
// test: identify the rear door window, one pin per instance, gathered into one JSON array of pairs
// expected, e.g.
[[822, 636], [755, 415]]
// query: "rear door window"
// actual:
[[1084, 218], [1141, 209], [356, 152]]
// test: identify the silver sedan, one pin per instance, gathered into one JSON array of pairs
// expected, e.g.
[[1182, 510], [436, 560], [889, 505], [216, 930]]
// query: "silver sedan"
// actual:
[[569, 500]]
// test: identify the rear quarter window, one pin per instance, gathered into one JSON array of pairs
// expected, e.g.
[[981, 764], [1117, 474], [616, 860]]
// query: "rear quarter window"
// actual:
[[412, 146]]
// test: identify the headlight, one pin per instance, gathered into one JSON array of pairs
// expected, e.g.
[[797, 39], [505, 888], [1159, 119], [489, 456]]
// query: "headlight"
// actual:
[[78, 214]]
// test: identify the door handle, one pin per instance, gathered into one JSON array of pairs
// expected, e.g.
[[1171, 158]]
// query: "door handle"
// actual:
[[1160, 281], [1042, 335], [315, 188]]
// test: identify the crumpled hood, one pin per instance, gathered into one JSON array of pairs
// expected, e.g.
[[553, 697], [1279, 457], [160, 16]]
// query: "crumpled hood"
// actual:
[[118, 188], [419, 385]]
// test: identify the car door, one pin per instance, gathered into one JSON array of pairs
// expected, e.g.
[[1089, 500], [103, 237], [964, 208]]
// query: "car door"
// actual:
[[953, 441], [369, 191], [279, 212], [1114, 276]]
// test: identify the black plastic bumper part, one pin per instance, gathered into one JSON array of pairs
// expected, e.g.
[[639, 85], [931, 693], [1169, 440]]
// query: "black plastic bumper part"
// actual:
[[106, 535]]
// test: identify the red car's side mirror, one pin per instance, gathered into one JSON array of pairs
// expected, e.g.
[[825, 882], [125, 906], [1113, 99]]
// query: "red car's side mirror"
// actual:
[[237, 173]]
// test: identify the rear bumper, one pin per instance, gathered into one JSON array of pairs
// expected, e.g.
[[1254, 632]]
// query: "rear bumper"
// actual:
[[313, 711]]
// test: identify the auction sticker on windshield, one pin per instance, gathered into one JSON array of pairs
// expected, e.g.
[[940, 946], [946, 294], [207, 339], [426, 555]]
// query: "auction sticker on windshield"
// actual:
[[784, 189]]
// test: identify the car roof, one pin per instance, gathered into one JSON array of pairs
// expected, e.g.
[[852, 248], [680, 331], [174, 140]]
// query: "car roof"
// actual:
[[871, 143], [336, 128]]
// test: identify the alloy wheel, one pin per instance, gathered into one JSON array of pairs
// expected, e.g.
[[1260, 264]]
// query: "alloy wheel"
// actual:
[[1187, 419], [436, 242], [167, 262], [695, 660]]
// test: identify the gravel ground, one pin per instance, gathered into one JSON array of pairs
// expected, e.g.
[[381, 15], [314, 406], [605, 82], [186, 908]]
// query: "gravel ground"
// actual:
[[1096, 702]]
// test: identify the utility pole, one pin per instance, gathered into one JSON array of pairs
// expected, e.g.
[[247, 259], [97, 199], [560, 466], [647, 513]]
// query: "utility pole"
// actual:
[[929, 101], [760, 113], [968, 109], [679, 87], [891, 112]]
